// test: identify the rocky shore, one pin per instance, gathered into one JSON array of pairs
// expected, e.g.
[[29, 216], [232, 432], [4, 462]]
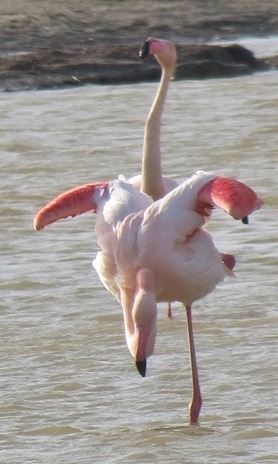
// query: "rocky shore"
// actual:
[[48, 45]]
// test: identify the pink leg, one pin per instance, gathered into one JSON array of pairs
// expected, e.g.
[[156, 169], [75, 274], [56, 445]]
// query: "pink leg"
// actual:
[[196, 403]]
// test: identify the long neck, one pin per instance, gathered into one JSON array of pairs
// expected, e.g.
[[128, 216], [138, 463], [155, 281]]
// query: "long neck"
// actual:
[[152, 182]]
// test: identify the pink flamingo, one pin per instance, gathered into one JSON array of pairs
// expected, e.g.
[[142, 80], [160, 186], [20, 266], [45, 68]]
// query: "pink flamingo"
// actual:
[[156, 251]]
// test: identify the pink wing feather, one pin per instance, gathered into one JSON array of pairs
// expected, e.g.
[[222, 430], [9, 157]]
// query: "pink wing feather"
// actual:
[[234, 197], [71, 203]]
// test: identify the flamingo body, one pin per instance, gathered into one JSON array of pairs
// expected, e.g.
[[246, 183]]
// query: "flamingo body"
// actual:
[[155, 251], [168, 238]]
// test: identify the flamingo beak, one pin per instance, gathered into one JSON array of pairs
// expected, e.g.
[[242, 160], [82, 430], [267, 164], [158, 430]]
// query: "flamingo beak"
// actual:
[[144, 50], [142, 367]]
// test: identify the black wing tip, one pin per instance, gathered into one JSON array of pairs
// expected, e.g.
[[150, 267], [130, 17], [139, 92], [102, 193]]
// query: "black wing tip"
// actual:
[[142, 367]]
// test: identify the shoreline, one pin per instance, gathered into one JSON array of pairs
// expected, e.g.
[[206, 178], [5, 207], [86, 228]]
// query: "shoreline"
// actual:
[[45, 45]]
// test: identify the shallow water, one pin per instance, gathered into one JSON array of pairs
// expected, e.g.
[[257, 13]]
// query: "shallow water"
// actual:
[[70, 391]]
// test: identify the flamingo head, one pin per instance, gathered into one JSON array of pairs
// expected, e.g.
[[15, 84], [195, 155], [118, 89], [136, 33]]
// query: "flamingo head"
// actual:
[[163, 50]]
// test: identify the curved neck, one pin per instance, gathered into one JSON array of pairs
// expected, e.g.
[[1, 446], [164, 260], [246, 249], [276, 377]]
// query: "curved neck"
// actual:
[[152, 182]]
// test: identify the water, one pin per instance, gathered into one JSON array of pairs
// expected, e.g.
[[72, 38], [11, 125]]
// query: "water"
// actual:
[[69, 390]]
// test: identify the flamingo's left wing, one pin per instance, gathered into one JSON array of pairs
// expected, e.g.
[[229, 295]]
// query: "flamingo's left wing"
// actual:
[[234, 197]]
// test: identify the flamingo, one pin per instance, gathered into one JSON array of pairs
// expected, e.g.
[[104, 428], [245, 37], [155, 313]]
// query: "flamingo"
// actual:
[[156, 251]]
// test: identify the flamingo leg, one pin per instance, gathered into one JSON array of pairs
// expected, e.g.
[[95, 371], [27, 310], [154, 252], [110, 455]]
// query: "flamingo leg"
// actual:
[[196, 403]]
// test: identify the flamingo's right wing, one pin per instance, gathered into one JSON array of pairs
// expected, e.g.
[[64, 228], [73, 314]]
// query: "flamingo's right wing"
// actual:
[[71, 203]]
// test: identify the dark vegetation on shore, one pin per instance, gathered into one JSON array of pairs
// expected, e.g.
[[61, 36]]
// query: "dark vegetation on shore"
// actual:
[[59, 44]]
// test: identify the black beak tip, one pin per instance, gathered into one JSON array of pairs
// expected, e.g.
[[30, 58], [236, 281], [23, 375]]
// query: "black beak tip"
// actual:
[[245, 220], [144, 50], [142, 367]]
